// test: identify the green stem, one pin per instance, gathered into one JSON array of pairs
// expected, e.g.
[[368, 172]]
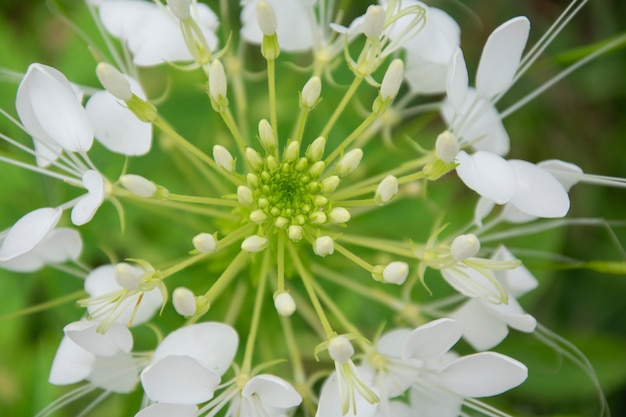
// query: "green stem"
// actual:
[[388, 246], [342, 106], [307, 280], [374, 294], [281, 262], [256, 316], [203, 200], [355, 134], [227, 116], [183, 143], [227, 276], [271, 83], [354, 258]]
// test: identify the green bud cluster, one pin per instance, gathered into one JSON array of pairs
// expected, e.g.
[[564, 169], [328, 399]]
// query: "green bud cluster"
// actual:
[[289, 190]]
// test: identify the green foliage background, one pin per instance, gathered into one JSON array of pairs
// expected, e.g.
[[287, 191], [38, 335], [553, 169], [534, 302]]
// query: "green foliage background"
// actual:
[[579, 120]]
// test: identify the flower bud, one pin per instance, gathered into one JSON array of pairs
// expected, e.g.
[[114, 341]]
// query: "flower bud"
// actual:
[[339, 215], [447, 146], [396, 272], [324, 246], [464, 246], [204, 243], [392, 80], [258, 217], [127, 276], [330, 184], [317, 169], [311, 93], [266, 18], [254, 243], [244, 195], [295, 233], [138, 185], [254, 159], [285, 305], [315, 151], [349, 162], [281, 222], [184, 301], [374, 21], [292, 151], [217, 84], [266, 136], [386, 190], [318, 217], [223, 158], [180, 8], [340, 349], [113, 81]]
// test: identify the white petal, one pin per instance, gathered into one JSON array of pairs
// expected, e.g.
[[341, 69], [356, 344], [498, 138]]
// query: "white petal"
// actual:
[[179, 380], [482, 210], [425, 77], [472, 283], [117, 373], [50, 111], [168, 410], [392, 342], [29, 231], [438, 38], [71, 363], [272, 390], [62, 244], [212, 344], [501, 57], [432, 340], [101, 280], [481, 329], [434, 402], [487, 174], [566, 173], [483, 375], [120, 17], [28, 262], [457, 80], [84, 333], [157, 38], [517, 281], [116, 127], [330, 404], [86, 207], [481, 125], [513, 315], [538, 192], [512, 214]]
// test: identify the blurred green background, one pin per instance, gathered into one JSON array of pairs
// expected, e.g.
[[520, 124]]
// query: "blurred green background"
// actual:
[[580, 120]]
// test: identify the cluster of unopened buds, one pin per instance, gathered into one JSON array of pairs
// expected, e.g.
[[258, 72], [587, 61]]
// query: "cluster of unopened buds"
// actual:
[[288, 188]]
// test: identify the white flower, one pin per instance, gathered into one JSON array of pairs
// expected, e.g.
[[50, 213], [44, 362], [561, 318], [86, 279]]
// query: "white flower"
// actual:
[[109, 299], [51, 112], [34, 241], [284, 304], [187, 366], [331, 403], [396, 272], [440, 380], [486, 324], [138, 185], [184, 301], [265, 395], [102, 359], [151, 33]]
